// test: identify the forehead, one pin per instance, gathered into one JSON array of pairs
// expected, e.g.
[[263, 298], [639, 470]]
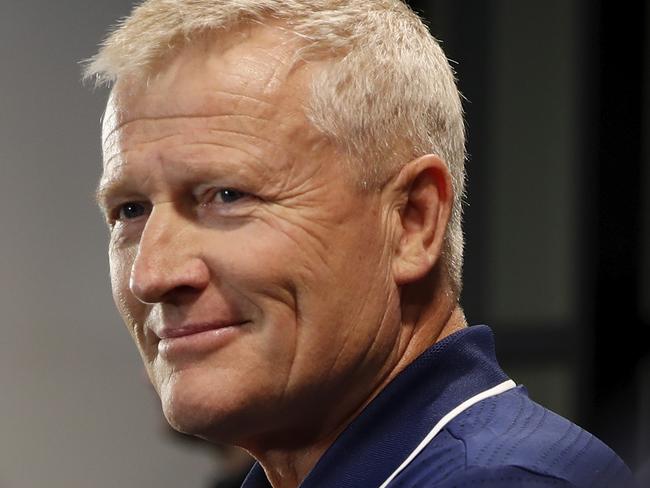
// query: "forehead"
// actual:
[[248, 72]]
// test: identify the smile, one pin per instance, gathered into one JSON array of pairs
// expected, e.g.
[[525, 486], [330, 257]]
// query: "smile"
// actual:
[[196, 340]]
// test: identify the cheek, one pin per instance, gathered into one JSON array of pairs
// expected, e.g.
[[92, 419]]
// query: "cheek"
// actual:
[[120, 261], [263, 260], [119, 281], [131, 310]]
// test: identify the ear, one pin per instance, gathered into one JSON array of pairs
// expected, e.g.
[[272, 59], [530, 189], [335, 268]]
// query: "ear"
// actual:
[[424, 196]]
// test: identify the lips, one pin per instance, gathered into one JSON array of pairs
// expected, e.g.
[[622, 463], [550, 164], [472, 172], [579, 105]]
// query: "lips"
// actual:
[[196, 340], [188, 330]]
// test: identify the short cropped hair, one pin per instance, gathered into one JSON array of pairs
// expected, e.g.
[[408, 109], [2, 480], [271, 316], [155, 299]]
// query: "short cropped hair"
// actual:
[[387, 96]]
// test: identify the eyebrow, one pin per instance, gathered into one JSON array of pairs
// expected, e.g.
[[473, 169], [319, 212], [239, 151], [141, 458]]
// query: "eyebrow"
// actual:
[[109, 187], [120, 183], [106, 188]]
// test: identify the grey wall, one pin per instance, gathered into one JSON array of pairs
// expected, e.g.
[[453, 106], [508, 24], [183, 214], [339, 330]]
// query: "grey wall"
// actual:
[[533, 159], [75, 411]]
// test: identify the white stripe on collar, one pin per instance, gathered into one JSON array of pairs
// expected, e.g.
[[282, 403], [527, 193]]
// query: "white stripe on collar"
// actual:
[[503, 387]]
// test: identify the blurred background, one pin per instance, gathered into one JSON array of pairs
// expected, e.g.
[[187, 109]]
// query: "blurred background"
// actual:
[[558, 233]]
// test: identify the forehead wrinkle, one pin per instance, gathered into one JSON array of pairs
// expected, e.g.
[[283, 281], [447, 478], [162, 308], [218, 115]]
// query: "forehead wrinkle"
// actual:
[[277, 78], [149, 121], [200, 161], [114, 167], [254, 138], [252, 143], [214, 102], [211, 124], [153, 124]]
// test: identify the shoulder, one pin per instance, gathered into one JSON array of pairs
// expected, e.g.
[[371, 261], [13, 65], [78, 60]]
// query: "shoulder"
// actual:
[[509, 441]]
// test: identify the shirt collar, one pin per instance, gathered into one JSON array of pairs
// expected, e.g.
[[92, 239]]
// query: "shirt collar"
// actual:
[[393, 424]]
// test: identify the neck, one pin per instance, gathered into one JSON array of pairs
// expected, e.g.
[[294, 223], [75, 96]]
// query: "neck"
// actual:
[[421, 326]]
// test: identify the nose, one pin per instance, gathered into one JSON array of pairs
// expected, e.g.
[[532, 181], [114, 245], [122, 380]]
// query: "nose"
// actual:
[[167, 265]]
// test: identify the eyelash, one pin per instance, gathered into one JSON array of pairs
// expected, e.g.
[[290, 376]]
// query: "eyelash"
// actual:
[[116, 213], [233, 193]]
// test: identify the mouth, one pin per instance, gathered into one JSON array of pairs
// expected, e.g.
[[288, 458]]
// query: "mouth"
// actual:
[[192, 329], [195, 340]]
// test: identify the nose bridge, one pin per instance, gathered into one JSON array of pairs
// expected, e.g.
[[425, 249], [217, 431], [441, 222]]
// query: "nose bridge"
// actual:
[[165, 259]]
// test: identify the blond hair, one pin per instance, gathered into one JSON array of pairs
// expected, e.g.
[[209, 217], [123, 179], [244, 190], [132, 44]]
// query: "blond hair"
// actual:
[[388, 96]]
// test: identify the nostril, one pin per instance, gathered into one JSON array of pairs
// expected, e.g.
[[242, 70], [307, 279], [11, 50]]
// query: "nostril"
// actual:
[[182, 295]]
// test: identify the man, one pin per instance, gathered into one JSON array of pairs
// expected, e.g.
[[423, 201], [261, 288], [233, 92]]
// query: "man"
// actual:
[[283, 183]]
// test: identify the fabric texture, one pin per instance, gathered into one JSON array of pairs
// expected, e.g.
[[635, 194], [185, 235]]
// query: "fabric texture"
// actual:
[[503, 441]]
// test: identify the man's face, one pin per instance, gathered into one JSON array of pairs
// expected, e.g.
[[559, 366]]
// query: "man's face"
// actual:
[[251, 272]]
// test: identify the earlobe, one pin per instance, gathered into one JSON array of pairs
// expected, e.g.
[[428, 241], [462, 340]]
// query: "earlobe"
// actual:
[[424, 188]]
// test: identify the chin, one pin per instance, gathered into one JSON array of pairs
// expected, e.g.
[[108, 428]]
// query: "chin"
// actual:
[[218, 411]]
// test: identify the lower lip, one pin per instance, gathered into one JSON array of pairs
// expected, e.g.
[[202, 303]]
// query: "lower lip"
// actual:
[[197, 344]]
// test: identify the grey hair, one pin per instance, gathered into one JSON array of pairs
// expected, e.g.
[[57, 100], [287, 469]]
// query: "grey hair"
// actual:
[[389, 97]]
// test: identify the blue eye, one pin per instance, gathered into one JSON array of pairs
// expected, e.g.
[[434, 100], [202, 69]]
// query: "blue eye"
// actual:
[[228, 195], [131, 210]]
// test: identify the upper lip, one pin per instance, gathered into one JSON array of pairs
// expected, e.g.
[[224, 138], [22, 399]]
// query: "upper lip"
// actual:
[[172, 332]]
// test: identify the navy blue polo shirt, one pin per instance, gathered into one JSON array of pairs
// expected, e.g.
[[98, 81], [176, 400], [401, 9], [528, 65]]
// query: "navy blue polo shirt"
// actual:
[[506, 440]]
